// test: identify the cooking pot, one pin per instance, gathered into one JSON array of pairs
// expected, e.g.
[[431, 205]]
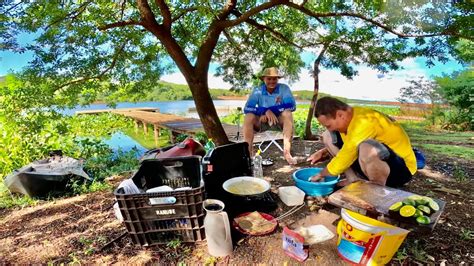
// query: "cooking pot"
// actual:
[[262, 185]]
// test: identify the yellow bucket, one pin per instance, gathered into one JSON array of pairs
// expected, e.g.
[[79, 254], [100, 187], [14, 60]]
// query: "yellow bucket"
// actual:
[[365, 241]]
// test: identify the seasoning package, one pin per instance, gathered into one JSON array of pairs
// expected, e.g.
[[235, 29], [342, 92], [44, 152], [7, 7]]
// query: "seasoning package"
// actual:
[[293, 245]]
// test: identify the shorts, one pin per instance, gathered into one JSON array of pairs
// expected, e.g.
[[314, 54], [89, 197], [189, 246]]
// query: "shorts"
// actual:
[[399, 173]]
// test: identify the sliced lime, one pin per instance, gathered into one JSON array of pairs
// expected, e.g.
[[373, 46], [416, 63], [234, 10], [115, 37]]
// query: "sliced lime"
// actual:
[[424, 209], [433, 205], [421, 201], [409, 201], [423, 219], [396, 206], [407, 211], [418, 213], [415, 197]]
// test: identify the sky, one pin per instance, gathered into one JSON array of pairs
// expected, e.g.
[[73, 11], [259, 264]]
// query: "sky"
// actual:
[[368, 84]]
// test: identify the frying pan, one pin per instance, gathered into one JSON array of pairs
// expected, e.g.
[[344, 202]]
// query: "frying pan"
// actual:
[[244, 179]]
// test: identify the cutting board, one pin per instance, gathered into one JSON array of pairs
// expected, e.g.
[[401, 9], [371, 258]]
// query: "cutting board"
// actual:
[[374, 201]]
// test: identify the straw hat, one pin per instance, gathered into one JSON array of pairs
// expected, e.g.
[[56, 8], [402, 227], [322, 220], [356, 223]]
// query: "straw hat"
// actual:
[[271, 72]]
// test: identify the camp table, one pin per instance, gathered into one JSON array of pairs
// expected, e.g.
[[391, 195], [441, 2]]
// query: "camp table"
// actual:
[[374, 201]]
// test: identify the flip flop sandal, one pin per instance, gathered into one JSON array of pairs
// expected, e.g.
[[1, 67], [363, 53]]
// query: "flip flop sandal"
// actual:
[[267, 162]]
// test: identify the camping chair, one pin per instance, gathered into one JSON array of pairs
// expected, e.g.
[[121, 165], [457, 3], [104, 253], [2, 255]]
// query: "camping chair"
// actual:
[[270, 134]]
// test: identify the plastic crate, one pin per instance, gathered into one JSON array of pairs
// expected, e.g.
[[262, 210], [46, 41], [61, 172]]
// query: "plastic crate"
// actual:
[[142, 207], [163, 236], [159, 217]]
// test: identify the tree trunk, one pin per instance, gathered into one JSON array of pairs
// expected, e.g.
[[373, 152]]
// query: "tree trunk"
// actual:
[[308, 134], [207, 112]]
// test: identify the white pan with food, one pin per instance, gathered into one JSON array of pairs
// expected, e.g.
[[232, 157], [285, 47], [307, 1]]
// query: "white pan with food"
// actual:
[[246, 186]]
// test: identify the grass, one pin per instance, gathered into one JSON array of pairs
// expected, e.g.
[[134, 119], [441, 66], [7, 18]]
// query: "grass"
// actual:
[[418, 132], [420, 135], [448, 150], [8, 200]]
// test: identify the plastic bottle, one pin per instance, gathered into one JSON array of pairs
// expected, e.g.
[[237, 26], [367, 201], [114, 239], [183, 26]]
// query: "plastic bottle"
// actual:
[[257, 165], [209, 145]]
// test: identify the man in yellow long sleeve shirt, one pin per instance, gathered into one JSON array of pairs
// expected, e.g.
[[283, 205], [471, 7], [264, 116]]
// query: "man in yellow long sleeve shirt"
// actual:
[[364, 144]]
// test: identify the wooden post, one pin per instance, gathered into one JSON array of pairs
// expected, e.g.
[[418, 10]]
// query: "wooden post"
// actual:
[[172, 137], [136, 126], [145, 129], [156, 130]]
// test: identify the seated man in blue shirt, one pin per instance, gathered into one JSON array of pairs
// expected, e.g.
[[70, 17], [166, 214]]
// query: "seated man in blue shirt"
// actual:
[[271, 103]]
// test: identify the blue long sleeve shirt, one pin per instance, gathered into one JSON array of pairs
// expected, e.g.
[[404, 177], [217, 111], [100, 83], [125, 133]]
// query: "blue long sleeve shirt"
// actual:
[[260, 100]]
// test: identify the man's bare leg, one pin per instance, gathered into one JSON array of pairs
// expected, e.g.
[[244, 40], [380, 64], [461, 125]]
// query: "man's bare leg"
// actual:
[[286, 119], [371, 163], [250, 121], [351, 176]]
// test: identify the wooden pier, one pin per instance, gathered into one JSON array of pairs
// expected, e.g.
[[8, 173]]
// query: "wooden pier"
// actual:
[[175, 123]]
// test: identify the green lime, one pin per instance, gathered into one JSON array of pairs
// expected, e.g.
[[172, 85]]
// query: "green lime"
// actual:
[[407, 211], [421, 201], [415, 197], [418, 213], [409, 201], [423, 219], [396, 206], [424, 209], [433, 205]]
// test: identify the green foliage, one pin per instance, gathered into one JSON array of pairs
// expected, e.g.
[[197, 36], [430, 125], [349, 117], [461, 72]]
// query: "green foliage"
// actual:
[[9, 200], [100, 167], [458, 90], [299, 118], [460, 174], [466, 234]]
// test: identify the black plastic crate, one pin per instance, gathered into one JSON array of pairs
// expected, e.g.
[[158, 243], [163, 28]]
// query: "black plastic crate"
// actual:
[[165, 236], [176, 224], [159, 217], [150, 206]]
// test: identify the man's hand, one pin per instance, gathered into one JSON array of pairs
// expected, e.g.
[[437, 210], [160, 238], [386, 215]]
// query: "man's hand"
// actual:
[[317, 156], [316, 178], [271, 118]]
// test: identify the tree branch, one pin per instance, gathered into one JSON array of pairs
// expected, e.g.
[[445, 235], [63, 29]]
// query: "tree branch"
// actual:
[[101, 74], [261, 27], [71, 15], [147, 16], [183, 12], [355, 15], [166, 38], [251, 12], [11, 8], [119, 24], [229, 6], [165, 12], [232, 41], [122, 9]]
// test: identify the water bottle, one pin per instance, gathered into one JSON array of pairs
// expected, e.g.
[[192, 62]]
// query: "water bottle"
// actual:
[[209, 145], [257, 165]]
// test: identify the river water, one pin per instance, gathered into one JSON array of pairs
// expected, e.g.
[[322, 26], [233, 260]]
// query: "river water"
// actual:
[[123, 142]]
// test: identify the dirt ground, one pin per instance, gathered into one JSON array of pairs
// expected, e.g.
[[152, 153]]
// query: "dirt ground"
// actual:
[[83, 229]]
